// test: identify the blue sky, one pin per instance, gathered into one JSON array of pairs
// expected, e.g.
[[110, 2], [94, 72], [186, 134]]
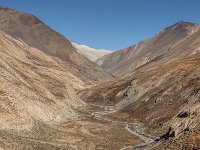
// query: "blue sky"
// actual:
[[109, 24]]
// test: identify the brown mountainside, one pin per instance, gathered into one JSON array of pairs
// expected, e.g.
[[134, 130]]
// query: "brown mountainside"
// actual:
[[36, 34], [34, 87], [163, 93], [161, 46], [50, 99]]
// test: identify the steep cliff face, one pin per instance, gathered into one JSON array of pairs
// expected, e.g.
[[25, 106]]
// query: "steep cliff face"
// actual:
[[36, 34], [162, 45]]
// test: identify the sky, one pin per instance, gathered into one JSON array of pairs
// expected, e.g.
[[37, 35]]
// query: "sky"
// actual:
[[109, 24]]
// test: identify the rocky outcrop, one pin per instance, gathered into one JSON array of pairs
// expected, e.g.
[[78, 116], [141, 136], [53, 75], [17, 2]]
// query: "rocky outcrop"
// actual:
[[183, 114], [170, 133]]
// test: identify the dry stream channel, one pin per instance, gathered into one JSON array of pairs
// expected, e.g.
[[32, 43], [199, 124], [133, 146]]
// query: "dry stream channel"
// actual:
[[133, 128]]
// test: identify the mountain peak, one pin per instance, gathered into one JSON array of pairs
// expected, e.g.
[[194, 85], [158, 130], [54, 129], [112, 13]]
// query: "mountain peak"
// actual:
[[4, 8], [90, 53], [183, 25], [37, 34]]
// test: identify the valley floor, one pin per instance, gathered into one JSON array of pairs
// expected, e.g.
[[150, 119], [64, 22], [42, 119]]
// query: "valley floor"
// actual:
[[86, 133]]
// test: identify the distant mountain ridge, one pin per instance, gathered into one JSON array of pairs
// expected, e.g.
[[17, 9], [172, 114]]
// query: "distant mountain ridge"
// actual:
[[125, 61], [91, 53]]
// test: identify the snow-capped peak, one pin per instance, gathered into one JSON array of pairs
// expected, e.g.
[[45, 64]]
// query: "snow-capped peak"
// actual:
[[91, 53]]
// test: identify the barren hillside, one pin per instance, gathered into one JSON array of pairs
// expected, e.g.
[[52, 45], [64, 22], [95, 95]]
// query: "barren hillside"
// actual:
[[36, 34], [162, 94], [39, 105], [161, 46], [52, 97]]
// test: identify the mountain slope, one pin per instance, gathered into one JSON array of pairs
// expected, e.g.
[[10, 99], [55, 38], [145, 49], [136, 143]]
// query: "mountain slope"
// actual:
[[91, 53], [163, 94], [123, 62], [42, 73], [36, 34], [39, 107], [34, 87]]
